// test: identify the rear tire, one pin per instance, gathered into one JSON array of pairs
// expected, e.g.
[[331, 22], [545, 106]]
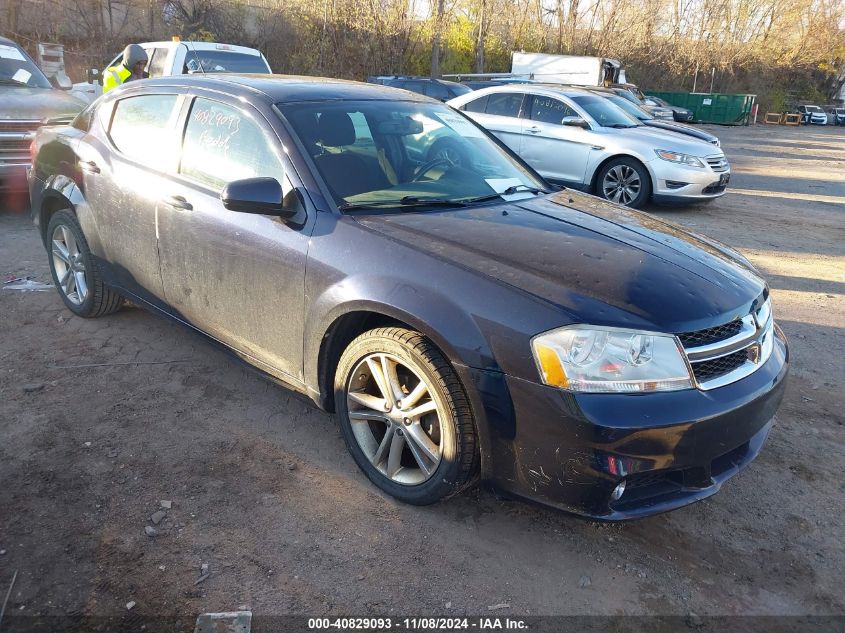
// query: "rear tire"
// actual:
[[405, 417], [75, 273], [624, 181]]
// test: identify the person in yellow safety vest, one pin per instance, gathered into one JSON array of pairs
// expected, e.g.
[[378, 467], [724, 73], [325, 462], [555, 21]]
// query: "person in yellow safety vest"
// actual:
[[134, 61]]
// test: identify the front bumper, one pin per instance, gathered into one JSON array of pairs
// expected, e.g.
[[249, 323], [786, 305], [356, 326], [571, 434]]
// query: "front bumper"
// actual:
[[675, 183], [672, 449]]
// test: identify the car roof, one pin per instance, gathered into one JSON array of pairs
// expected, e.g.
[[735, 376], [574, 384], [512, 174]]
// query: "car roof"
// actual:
[[285, 88], [543, 88]]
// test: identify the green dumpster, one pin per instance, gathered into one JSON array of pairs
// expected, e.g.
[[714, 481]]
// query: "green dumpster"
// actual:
[[712, 107]]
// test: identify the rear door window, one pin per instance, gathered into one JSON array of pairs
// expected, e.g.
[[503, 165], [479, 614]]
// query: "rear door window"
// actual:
[[222, 143], [504, 104], [476, 105], [143, 127]]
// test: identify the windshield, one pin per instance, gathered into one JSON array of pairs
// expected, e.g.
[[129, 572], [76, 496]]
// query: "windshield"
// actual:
[[813, 109], [634, 110], [223, 62], [605, 113], [382, 153], [17, 69]]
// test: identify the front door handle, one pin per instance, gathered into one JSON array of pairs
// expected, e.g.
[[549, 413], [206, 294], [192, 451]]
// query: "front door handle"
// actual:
[[534, 129], [89, 167], [178, 202]]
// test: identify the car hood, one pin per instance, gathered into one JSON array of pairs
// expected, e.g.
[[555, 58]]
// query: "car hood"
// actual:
[[680, 128], [37, 103], [599, 262], [675, 141]]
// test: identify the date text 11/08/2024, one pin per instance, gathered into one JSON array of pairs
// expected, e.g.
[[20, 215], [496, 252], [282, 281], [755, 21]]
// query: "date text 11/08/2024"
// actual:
[[417, 624]]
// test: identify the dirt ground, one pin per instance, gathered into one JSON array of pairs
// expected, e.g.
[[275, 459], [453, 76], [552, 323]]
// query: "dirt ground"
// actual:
[[264, 492]]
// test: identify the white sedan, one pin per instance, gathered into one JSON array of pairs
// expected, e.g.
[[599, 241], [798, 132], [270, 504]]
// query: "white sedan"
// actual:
[[581, 140]]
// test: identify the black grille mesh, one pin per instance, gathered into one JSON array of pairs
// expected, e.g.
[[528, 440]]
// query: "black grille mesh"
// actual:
[[711, 334], [709, 369]]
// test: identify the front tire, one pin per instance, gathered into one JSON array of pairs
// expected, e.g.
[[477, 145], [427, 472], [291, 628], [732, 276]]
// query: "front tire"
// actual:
[[405, 417], [75, 273], [624, 181]]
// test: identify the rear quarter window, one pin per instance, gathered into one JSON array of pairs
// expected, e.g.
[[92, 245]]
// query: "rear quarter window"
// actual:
[[504, 104], [144, 127]]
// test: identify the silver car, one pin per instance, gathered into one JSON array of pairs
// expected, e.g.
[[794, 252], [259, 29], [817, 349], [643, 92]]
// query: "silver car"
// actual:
[[584, 141]]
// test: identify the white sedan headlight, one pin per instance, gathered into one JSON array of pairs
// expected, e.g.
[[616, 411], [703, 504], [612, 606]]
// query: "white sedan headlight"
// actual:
[[610, 360], [683, 159]]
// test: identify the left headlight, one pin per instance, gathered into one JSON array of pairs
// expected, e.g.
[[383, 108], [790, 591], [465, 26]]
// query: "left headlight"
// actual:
[[683, 159], [610, 360]]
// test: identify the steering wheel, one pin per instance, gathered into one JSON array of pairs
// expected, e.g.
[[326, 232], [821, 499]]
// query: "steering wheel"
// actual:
[[427, 167]]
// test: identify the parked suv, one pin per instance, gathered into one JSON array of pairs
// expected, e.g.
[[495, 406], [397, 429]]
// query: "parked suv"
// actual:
[[439, 89], [27, 100], [812, 114], [461, 321], [835, 115], [580, 139]]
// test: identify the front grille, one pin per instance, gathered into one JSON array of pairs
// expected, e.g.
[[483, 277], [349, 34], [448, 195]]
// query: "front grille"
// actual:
[[714, 188], [711, 334], [718, 367], [14, 152], [19, 125], [717, 163], [729, 352]]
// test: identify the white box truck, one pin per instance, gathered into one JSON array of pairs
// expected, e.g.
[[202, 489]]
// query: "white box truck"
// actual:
[[567, 69]]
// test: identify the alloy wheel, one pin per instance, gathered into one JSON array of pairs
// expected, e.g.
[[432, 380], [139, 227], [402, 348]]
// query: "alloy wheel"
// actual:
[[69, 265], [621, 184], [394, 418]]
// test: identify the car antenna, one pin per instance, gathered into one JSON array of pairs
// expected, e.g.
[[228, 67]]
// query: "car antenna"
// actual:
[[196, 57]]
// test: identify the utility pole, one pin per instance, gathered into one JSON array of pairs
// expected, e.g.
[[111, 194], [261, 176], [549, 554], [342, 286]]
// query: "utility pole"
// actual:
[[479, 43], [435, 42]]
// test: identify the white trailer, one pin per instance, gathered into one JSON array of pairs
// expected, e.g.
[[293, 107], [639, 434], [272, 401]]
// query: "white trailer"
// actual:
[[567, 69]]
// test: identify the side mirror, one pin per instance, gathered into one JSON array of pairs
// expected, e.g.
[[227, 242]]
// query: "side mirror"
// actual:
[[93, 76], [256, 195], [575, 121]]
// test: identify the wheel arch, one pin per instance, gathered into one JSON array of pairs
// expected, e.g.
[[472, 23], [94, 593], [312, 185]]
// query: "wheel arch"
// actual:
[[349, 324], [595, 177], [346, 324]]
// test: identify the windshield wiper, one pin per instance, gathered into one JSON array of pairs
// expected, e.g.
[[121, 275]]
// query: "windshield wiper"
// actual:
[[621, 126], [507, 192], [12, 82], [403, 203]]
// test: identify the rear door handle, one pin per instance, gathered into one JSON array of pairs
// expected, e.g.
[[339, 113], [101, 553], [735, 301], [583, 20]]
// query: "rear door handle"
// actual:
[[89, 167], [178, 202]]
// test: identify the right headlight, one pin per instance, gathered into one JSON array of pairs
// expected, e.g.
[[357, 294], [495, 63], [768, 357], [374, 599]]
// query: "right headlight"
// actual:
[[676, 157], [610, 360]]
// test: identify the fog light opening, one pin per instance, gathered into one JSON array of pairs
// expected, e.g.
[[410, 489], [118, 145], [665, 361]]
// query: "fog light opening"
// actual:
[[618, 491]]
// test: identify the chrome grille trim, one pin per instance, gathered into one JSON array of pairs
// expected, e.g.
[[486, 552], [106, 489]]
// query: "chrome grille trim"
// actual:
[[717, 162], [19, 125], [756, 337]]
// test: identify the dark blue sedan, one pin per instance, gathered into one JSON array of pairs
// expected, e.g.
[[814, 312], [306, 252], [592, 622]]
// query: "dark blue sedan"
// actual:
[[463, 321]]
